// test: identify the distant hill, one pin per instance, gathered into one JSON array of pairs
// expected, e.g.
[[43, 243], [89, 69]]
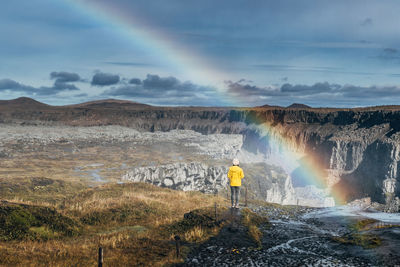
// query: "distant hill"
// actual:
[[298, 105], [268, 106], [22, 101], [106, 103]]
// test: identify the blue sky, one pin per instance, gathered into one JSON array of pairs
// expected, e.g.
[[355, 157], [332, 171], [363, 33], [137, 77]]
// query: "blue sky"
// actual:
[[317, 52]]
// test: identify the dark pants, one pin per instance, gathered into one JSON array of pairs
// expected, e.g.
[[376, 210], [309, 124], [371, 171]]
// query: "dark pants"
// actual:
[[235, 193]]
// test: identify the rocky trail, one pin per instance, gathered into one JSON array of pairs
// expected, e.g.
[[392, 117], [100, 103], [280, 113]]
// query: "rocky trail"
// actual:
[[297, 238]]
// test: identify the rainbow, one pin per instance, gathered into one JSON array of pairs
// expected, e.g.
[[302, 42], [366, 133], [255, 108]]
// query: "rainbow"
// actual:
[[132, 26], [195, 67], [306, 165]]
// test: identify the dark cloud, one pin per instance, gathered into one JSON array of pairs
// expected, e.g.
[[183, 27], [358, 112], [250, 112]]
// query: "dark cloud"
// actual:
[[367, 22], [135, 81], [373, 92], [11, 85], [60, 86], [240, 88], [8, 84], [157, 82], [309, 89], [165, 90], [81, 95], [65, 77], [62, 82], [103, 79], [316, 93]]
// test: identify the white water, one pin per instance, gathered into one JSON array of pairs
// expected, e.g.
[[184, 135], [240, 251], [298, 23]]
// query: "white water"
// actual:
[[347, 211]]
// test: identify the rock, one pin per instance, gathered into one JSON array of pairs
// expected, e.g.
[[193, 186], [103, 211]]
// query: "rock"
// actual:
[[168, 182], [183, 176], [363, 203]]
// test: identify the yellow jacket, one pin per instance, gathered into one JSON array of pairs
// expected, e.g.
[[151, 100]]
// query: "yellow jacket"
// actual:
[[235, 175]]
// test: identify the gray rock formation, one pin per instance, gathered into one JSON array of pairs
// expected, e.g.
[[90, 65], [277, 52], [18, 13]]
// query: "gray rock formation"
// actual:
[[280, 191], [216, 146], [183, 176]]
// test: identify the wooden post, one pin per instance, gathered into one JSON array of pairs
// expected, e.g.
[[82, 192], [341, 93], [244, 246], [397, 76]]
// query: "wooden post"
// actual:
[[100, 257], [215, 211], [178, 246], [245, 197]]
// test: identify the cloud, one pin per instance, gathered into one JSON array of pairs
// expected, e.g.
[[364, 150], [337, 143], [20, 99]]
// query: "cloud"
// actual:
[[64, 77], [81, 95], [60, 86], [104, 79], [13, 86], [240, 88], [8, 84], [164, 90], [321, 93], [309, 89], [135, 81], [373, 92], [157, 82]]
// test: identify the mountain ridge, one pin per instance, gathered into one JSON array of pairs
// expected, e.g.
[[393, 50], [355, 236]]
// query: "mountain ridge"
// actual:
[[111, 102]]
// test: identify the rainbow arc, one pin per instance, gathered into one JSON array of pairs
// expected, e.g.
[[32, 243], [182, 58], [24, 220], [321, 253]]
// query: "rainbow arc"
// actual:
[[133, 27]]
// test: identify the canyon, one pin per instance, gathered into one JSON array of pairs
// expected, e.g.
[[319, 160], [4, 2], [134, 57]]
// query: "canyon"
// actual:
[[356, 151]]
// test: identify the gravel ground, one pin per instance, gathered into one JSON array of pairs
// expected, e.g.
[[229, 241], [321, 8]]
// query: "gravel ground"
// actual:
[[292, 239]]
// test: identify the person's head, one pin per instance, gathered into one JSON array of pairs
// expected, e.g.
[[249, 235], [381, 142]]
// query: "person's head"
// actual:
[[235, 162]]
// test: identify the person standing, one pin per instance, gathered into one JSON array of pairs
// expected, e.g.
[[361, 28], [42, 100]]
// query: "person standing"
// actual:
[[235, 175]]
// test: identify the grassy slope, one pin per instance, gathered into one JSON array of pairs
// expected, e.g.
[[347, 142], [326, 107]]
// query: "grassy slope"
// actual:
[[134, 223]]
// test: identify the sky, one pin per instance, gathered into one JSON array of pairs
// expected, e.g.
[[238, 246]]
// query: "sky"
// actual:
[[202, 53]]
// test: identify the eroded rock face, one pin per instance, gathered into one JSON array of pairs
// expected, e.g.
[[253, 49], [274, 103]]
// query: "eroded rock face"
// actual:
[[281, 192], [182, 176], [363, 160]]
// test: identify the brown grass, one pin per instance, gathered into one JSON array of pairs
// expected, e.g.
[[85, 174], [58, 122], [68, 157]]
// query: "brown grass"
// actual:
[[360, 239], [253, 221], [360, 236], [132, 222]]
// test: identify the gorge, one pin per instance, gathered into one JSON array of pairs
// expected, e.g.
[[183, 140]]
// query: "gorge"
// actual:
[[353, 151]]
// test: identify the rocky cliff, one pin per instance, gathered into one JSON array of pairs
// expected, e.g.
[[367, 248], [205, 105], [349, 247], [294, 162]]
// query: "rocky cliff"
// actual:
[[182, 176], [357, 148]]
